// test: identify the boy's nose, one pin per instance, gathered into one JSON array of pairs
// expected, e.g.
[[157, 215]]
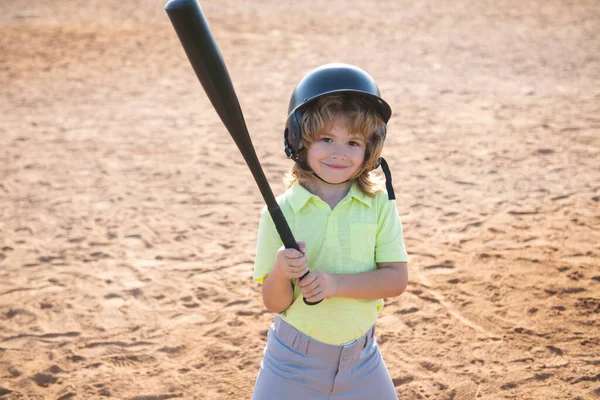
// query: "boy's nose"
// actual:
[[338, 151]]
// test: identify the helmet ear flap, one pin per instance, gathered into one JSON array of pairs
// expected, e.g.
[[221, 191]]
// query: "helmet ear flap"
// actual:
[[293, 135]]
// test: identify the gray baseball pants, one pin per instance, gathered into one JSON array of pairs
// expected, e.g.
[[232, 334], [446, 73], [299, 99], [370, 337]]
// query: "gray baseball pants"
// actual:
[[297, 367]]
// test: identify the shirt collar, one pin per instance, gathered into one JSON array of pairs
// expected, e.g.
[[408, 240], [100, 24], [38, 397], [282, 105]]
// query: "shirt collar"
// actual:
[[300, 196], [360, 195]]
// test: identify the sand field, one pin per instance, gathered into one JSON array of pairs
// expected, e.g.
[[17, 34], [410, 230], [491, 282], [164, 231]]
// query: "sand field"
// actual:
[[128, 218]]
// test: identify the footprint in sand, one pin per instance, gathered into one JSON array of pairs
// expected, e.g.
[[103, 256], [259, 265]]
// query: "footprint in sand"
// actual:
[[430, 366], [100, 255], [20, 316], [24, 229], [188, 302], [44, 380], [555, 350], [76, 358], [69, 393], [405, 311], [172, 350], [157, 396], [402, 380], [588, 306], [575, 276], [130, 360], [465, 391], [444, 268], [572, 290], [509, 385]]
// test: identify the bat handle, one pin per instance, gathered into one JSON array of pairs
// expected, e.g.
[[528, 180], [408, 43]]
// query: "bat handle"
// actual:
[[285, 233]]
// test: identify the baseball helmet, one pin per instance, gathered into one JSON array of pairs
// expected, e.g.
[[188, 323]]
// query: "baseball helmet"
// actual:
[[325, 80]]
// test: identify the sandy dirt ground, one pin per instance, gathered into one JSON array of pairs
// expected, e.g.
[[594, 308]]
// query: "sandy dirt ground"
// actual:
[[128, 219]]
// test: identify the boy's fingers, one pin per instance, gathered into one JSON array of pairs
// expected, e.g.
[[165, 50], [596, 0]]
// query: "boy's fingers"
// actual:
[[314, 297], [310, 278], [306, 281], [302, 283], [292, 253], [300, 275], [311, 289], [297, 262], [296, 274], [302, 246]]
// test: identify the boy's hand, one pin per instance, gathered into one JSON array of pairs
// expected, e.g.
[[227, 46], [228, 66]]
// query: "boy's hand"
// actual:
[[291, 263], [318, 285]]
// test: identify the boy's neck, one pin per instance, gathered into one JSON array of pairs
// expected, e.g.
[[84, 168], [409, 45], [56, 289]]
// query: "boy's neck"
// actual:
[[331, 194]]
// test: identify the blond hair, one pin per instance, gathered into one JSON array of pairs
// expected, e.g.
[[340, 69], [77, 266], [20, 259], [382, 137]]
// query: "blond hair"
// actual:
[[361, 119]]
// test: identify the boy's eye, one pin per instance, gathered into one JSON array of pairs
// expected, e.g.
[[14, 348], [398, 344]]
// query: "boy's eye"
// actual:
[[326, 139], [353, 143]]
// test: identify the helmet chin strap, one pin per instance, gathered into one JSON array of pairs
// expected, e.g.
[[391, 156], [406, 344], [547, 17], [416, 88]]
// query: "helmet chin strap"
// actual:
[[388, 177]]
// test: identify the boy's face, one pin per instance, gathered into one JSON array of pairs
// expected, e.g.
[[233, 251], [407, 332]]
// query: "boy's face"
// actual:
[[337, 156]]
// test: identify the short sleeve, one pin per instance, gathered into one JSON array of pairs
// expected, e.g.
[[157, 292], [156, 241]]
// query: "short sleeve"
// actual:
[[390, 241], [267, 244]]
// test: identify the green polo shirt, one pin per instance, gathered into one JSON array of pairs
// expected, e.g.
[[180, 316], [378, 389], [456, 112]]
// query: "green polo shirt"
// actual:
[[358, 233]]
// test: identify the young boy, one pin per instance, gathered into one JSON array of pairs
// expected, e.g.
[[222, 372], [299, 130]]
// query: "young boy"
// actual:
[[353, 245]]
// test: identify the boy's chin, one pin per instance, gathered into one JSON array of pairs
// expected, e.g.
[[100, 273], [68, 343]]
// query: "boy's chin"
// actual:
[[336, 180]]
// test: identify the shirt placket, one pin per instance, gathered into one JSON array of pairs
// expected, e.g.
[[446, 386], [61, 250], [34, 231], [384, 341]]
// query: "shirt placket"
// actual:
[[332, 237]]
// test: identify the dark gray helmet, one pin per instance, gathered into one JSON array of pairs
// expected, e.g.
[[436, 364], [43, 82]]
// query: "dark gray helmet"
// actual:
[[324, 80]]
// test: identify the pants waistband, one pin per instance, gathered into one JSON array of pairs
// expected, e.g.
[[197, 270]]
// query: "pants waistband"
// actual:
[[304, 344]]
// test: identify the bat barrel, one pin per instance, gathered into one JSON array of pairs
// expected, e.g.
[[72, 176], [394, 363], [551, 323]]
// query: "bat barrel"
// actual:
[[177, 4], [203, 53], [201, 49]]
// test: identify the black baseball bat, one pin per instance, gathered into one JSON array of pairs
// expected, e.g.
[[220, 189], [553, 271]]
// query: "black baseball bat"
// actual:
[[204, 55]]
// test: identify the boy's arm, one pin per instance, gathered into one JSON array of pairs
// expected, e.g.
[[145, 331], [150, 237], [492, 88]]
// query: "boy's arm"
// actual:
[[388, 280], [277, 292]]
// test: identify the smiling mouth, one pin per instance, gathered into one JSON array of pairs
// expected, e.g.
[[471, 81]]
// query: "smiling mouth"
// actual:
[[335, 166]]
